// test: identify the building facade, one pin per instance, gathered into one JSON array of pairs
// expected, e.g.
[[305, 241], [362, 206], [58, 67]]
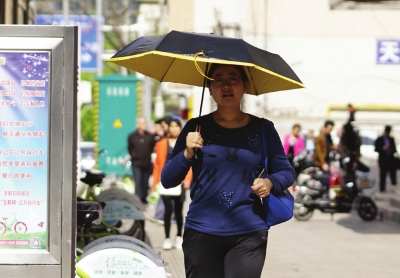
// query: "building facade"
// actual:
[[335, 47], [16, 12]]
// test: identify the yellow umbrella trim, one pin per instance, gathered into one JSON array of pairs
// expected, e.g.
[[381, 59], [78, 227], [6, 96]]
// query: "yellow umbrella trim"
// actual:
[[197, 59], [205, 60]]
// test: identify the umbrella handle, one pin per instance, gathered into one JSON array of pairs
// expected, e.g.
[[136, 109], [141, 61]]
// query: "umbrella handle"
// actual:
[[198, 128]]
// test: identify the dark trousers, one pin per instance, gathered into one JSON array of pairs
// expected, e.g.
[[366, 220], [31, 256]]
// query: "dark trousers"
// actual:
[[224, 256], [178, 205], [141, 177], [384, 169]]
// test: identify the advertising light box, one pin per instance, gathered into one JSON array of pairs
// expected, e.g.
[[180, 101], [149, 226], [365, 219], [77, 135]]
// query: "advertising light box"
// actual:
[[38, 150], [24, 90]]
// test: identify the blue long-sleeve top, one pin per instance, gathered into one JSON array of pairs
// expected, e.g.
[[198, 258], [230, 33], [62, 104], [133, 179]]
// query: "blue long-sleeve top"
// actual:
[[223, 173]]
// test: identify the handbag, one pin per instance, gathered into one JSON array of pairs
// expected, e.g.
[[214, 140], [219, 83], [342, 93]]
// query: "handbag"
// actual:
[[277, 208], [174, 191]]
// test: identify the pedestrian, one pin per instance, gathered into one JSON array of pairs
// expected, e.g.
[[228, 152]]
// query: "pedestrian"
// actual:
[[161, 131], [385, 146], [293, 142], [165, 124], [162, 126], [173, 198], [225, 233], [158, 130], [352, 112], [140, 147], [350, 146], [323, 146], [310, 142]]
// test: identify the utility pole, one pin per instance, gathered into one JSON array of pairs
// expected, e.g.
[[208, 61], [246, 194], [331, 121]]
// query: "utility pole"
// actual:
[[66, 11], [125, 38], [99, 12], [159, 108]]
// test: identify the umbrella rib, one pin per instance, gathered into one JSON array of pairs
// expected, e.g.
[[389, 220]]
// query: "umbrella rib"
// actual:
[[251, 76], [170, 65], [252, 80]]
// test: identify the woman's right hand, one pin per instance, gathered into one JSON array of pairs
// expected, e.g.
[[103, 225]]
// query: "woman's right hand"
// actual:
[[193, 141]]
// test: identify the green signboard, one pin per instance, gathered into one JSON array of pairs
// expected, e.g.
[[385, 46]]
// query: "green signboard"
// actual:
[[118, 103]]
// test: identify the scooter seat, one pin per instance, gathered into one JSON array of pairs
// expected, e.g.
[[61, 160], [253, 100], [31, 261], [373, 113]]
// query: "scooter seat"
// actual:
[[321, 176]]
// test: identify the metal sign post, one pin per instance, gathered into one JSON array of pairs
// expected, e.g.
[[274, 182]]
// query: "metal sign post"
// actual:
[[38, 87]]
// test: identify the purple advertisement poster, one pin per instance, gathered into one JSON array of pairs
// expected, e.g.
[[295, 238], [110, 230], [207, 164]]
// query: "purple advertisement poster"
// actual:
[[24, 121]]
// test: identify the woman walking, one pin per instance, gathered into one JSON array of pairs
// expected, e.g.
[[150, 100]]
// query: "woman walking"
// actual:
[[176, 194], [225, 230]]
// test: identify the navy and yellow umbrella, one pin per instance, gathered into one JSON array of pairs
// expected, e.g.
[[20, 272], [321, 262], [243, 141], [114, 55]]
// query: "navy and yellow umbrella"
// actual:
[[183, 57]]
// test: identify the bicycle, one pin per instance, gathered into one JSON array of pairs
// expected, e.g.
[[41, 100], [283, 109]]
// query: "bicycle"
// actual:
[[113, 254], [19, 226], [115, 198]]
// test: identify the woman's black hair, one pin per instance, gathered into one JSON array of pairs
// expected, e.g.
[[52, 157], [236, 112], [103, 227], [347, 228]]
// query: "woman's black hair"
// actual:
[[173, 120], [215, 66]]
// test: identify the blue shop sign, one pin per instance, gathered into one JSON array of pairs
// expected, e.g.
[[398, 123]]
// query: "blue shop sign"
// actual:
[[388, 52]]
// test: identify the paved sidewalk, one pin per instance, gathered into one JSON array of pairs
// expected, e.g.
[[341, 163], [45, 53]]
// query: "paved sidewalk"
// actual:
[[343, 247], [155, 238]]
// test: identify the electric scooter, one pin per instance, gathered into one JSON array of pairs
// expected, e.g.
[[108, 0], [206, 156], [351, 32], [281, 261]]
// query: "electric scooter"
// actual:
[[302, 163], [336, 192]]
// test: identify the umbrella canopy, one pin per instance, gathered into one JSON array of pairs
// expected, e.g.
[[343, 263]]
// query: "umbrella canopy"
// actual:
[[173, 57]]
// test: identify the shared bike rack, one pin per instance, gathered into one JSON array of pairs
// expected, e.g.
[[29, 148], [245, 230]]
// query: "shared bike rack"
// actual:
[[119, 262], [119, 255]]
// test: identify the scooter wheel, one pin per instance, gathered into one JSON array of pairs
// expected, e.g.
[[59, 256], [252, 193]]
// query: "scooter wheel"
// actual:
[[367, 209], [300, 212]]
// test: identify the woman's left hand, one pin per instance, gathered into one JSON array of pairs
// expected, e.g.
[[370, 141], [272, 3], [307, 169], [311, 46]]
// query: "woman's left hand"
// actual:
[[262, 187]]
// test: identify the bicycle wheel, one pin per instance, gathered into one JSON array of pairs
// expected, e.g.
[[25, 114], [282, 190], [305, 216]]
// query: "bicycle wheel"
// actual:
[[131, 227], [20, 228], [3, 228], [93, 231]]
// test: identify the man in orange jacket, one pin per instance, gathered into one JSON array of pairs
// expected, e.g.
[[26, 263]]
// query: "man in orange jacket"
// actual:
[[323, 145]]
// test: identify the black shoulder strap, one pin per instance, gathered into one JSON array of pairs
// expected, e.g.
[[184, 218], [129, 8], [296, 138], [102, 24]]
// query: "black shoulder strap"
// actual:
[[264, 145]]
